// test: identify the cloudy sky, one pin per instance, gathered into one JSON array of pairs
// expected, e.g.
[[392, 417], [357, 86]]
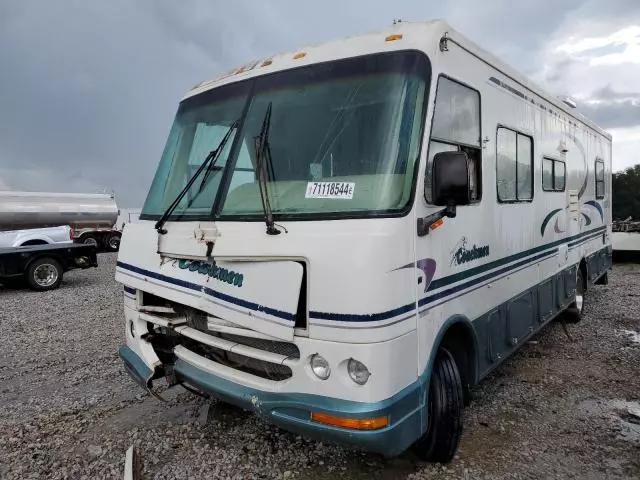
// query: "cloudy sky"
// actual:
[[88, 88]]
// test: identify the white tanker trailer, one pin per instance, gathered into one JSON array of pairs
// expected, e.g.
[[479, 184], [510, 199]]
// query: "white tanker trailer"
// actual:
[[92, 217]]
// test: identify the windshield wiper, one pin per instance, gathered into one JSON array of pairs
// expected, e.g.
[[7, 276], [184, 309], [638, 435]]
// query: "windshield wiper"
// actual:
[[263, 152], [208, 163]]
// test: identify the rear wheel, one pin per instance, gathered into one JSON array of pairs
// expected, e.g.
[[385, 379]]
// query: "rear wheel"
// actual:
[[573, 314], [440, 442], [44, 274], [90, 240], [113, 242]]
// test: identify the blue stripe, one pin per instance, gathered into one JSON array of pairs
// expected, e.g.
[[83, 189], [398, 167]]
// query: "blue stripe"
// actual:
[[345, 317], [194, 286], [130, 290], [585, 239], [475, 281], [597, 206], [375, 317]]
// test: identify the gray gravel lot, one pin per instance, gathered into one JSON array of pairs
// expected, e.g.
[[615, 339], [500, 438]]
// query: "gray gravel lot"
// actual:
[[557, 409]]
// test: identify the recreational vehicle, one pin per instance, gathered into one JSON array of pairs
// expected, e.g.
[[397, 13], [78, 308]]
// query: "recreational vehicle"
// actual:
[[346, 237]]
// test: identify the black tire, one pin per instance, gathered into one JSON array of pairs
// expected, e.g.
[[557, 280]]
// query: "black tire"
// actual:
[[44, 274], [112, 242], [574, 313], [440, 442], [90, 240]]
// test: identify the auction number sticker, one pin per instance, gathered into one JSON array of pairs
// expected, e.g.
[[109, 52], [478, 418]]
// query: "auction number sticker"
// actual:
[[330, 190]]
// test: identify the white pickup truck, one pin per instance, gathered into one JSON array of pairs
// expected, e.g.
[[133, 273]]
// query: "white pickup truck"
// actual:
[[36, 236]]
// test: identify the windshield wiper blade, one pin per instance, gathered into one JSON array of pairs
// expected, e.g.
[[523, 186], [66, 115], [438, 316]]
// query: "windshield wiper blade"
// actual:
[[263, 152], [208, 163]]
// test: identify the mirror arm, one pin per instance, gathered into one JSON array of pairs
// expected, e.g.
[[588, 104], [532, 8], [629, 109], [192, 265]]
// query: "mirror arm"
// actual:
[[424, 223]]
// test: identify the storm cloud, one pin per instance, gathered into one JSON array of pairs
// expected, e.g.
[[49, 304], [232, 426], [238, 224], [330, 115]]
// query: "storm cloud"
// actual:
[[88, 89]]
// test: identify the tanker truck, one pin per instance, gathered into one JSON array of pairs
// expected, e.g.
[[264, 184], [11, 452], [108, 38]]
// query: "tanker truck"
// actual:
[[91, 217]]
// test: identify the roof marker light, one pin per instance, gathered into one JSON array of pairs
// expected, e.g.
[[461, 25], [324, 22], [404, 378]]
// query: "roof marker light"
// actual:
[[266, 63], [299, 55], [395, 36]]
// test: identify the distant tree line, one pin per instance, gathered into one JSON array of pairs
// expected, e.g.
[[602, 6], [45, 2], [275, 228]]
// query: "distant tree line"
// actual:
[[626, 194]]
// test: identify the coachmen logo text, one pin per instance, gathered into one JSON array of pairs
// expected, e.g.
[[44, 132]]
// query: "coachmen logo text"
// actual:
[[463, 254], [212, 270]]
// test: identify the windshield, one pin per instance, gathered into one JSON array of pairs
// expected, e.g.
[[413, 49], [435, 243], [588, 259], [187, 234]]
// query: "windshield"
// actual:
[[344, 138]]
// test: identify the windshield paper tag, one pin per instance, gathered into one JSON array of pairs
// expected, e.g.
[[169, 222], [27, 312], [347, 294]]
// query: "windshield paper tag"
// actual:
[[330, 190]]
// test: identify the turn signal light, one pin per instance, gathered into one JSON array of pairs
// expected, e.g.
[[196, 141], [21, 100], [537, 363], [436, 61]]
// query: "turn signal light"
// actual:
[[436, 224], [353, 423], [395, 36]]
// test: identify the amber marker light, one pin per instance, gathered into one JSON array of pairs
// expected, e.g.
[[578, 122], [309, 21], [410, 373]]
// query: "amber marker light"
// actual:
[[352, 423], [395, 36], [436, 224]]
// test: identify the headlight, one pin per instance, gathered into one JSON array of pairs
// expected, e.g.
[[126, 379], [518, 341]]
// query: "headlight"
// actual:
[[320, 366], [358, 372]]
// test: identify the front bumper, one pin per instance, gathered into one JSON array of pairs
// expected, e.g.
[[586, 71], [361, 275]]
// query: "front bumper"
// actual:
[[292, 411]]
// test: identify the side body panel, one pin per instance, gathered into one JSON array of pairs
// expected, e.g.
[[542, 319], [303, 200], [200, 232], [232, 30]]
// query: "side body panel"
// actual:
[[530, 249]]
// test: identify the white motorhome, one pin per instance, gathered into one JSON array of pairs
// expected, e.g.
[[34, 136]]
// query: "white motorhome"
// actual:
[[346, 237]]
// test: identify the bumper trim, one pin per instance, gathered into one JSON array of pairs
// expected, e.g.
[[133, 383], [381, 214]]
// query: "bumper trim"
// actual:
[[292, 411], [135, 367]]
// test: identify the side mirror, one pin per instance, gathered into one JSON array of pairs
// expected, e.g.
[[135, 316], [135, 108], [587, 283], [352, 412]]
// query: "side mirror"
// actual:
[[451, 187], [451, 179]]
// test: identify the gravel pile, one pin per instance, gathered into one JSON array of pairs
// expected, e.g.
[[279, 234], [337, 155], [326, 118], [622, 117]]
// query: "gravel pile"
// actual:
[[557, 409]]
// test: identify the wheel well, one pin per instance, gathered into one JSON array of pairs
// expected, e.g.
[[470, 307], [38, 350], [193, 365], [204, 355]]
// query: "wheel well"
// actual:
[[34, 242], [48, 255], [459, 340]]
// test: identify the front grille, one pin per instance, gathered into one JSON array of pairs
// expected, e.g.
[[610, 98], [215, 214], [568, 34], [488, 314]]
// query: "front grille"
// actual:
[[283, 348], [164, 338], [252, 366]]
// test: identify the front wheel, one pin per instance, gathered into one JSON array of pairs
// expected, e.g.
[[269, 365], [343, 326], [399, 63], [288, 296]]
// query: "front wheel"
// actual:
[[440, 442], [44, 274]]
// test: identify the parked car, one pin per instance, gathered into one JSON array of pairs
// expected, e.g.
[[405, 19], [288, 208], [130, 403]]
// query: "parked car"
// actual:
[[43, 266], [36, 236]]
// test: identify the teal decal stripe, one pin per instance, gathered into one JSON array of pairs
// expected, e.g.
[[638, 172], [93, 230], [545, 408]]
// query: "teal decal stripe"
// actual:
[[597, 206], [546, 220], [587, 219], [543, 250], [585, 239], [443, 282], [535, 254]]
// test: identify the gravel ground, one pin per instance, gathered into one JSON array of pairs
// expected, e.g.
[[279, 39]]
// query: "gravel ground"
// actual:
[[557, 409]]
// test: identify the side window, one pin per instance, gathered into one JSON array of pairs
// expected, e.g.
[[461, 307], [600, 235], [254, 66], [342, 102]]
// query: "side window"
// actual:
[[456, 127], [554, 175], [514, 166], [599, 178], [547, 174]]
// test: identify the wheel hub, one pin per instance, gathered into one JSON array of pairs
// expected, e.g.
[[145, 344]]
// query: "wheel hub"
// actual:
[[45, 275]]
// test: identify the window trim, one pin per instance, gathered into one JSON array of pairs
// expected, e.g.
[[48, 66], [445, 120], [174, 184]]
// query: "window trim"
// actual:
[[553, 174], [603, 181], [431, 138], [533, 193]]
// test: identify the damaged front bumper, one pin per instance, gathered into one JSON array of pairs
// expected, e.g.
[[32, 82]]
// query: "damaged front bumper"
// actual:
[[292, 411]]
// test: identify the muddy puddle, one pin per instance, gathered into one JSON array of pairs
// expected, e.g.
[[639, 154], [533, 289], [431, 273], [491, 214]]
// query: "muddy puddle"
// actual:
[[623, 414]]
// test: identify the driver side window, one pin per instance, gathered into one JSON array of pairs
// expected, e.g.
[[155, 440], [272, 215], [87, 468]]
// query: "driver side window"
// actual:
[[456, 127]]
